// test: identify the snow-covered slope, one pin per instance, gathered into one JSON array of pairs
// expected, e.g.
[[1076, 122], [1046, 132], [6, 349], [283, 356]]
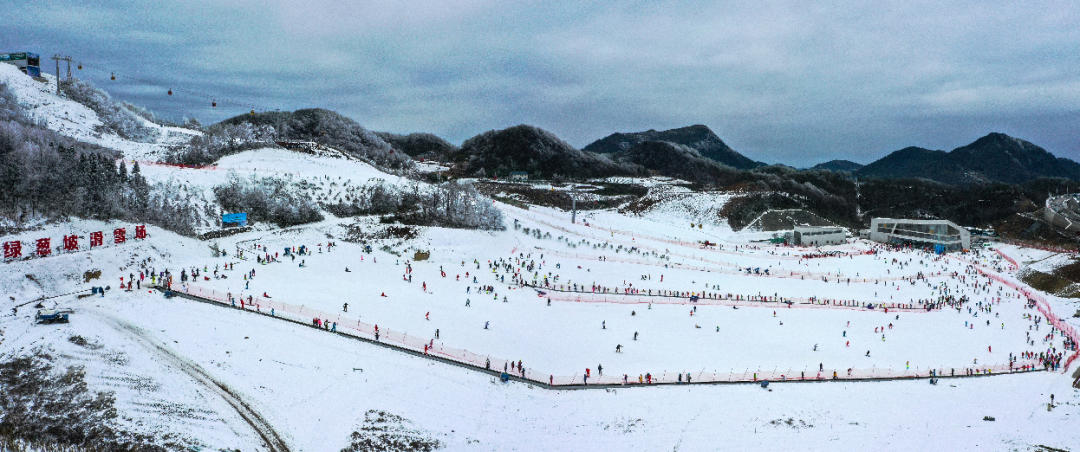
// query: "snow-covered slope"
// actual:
[[316, 388], [72, 119]]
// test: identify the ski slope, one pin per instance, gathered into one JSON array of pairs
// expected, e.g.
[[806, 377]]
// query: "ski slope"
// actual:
[[72, 119]]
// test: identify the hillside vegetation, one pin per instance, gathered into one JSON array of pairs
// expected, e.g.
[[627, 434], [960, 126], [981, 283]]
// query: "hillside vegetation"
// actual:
[[331, 129], [535, 151]]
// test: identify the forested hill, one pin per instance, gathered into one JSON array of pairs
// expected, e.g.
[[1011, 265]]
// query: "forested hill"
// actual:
[[838, 165], [993, 158], [697, 137], [329, 128], [535, 151]]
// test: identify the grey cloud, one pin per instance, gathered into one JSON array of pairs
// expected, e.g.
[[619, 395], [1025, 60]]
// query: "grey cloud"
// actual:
[[790, 82]]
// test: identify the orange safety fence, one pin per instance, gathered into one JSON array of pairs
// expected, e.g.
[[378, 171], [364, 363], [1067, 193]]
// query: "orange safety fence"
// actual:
[[624, 298], [363, 330], [1044, 308], [680, 266]]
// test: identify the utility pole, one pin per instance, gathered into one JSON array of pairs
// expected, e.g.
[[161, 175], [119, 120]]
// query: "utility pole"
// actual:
[[573, 204], [58, 59]]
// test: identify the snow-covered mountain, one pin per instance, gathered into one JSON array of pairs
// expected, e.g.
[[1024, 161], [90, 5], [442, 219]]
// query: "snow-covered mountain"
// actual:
[[75, 120]]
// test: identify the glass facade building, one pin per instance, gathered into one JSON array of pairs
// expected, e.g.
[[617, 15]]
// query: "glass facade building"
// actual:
[[920, 233]]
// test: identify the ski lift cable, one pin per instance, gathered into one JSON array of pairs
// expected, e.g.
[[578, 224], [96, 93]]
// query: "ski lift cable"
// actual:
[[114, 75]]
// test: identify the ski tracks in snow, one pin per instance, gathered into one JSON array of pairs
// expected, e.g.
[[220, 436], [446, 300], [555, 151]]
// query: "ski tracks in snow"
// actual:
[[273, 441]]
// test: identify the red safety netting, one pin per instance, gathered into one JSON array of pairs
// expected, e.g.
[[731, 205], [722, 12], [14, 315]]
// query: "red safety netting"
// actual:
[[733, 269], [357, 328], [617, 298], [1044, 308]]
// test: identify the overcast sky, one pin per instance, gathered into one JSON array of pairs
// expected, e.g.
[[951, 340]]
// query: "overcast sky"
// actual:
[[798, 82]]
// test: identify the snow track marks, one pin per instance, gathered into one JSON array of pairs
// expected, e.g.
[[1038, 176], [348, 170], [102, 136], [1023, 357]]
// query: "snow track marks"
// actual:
[[270, 437]]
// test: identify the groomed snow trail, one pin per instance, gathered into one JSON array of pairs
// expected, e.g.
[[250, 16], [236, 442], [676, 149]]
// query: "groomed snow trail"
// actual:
[[235, 399]]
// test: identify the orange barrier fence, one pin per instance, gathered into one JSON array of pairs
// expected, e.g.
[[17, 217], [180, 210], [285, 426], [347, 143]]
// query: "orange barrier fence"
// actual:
[[338, 323], [589, 297], [1044, 308]]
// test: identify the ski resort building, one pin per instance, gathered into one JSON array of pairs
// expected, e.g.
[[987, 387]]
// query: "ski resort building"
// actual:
[[519, 175], [27, 62], [818, 236], [942, 235]]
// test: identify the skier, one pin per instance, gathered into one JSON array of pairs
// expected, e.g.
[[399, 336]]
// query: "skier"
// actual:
[[345, 307]]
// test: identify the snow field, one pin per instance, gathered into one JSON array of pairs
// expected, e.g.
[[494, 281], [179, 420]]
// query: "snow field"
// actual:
[[315, 387], [567, 337], [306, 387]]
